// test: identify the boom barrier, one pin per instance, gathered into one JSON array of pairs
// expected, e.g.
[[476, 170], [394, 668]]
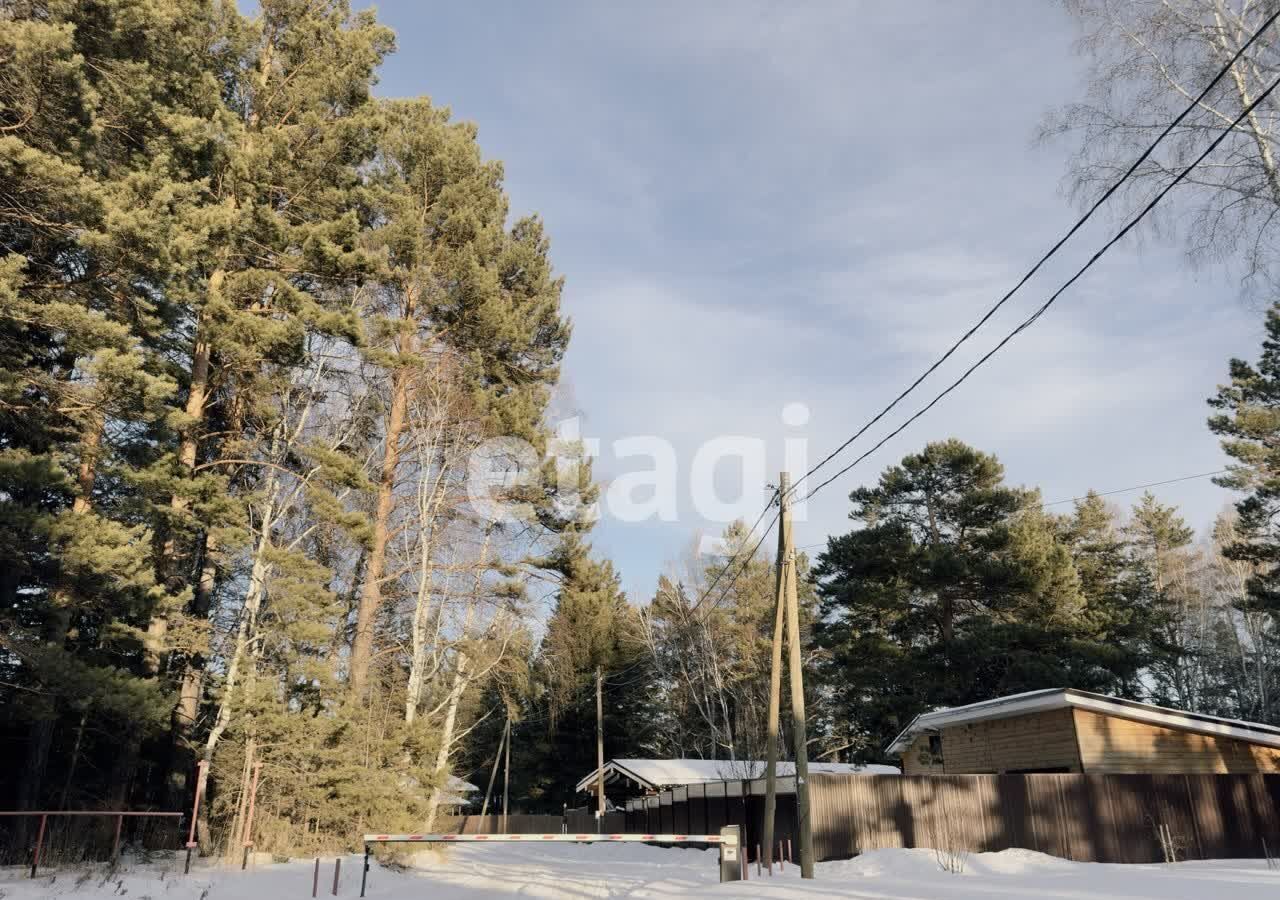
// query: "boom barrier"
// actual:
[[726, 840]]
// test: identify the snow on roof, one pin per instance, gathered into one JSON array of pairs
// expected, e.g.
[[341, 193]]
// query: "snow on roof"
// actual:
[[654, 774], [1062, 698]]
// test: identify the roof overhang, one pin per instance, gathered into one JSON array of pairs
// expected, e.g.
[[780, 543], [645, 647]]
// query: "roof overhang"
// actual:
[[1062, 698], [612, 772]]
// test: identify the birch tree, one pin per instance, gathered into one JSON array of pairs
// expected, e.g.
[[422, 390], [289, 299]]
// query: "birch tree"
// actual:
[[1147, 60]]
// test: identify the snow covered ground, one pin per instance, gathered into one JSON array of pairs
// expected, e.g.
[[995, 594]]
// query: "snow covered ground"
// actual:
[[573, 872]]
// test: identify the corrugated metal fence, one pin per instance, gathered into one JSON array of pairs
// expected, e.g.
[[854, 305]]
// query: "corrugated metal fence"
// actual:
[[1091, 818]]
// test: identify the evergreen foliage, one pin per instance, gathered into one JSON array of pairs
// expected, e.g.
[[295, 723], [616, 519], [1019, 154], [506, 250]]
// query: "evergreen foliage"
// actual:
[[957, 588]]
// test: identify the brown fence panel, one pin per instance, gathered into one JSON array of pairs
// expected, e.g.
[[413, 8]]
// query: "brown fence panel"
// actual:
[[1101, 818], [1090, 818]]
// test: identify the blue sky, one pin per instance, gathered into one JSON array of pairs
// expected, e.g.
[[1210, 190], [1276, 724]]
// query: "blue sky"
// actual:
[[762, 203]]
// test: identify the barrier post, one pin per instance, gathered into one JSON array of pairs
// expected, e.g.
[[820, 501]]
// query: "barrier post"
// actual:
[[337, 869], [115, 844], [730, 847], [315, 878], [364, 875], [195, 812], [35, 859]]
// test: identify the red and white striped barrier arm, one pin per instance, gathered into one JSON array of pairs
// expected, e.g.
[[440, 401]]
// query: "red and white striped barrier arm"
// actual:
[[536, 838]]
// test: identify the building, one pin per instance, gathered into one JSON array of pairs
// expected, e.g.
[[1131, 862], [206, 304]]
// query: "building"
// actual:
[[1065, 730], [627, 778]]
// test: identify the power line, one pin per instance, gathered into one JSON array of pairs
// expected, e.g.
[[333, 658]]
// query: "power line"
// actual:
[[1123, 490], [1052, 250], [1000, 303], [1136, 487], [1030, 320]]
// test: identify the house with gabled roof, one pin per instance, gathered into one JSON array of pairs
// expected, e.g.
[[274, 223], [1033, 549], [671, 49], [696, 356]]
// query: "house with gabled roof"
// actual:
[[1067, 730]]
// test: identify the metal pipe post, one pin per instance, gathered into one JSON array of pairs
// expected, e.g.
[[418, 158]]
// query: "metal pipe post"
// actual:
[[195, 812], [364, 875], [35, 859], [337, 870], [315, 878]]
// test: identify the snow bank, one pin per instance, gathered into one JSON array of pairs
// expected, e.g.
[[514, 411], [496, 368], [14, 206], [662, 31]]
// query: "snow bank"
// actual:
[[580, 872]]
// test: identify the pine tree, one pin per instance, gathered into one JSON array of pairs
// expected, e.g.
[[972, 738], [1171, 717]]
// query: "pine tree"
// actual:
[[954, 589], [592, 626], [84, 322], [457, 288], [1162, 543], [1248, 422]]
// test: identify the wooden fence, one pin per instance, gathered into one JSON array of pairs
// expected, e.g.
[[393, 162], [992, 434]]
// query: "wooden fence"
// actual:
[[1090, 818]]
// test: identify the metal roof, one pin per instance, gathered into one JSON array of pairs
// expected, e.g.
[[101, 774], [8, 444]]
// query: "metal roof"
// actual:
[[655, 774]]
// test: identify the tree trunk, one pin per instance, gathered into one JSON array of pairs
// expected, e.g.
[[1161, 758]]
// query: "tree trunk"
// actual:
[[461, 678], [421, 613], [191, 688], [197, 396], [40, 739], [1261, 139], [246, 634], [375, 565]]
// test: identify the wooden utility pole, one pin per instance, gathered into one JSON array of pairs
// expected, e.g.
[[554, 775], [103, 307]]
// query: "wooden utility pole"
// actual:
[[493, 775], [599, 748], [775, 693], [796, 677]]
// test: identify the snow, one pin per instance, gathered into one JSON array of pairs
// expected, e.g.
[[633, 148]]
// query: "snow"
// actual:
[[667, 772], [580, 872]]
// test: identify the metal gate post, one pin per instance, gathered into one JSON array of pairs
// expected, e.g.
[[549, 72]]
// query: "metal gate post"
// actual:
[[730, 847], [35, 859], [364, 874]]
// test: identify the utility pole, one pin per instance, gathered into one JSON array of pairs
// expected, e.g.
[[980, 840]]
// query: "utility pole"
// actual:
[[506, 779], [796, 677], [775, 692], [493, 774], [599, 748]]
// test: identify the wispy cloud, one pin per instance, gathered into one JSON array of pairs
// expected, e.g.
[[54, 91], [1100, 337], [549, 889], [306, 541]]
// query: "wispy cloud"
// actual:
[[756, 203]]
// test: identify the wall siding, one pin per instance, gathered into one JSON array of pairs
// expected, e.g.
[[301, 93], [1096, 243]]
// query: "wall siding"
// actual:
[[1033, 741], [917, 760], [1113, 745]]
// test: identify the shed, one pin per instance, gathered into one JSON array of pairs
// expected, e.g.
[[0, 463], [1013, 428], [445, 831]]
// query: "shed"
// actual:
[[625, 778], [1067, 730]]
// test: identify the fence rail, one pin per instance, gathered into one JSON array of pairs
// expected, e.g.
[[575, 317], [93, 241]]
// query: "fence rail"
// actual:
[[1090, 818]]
